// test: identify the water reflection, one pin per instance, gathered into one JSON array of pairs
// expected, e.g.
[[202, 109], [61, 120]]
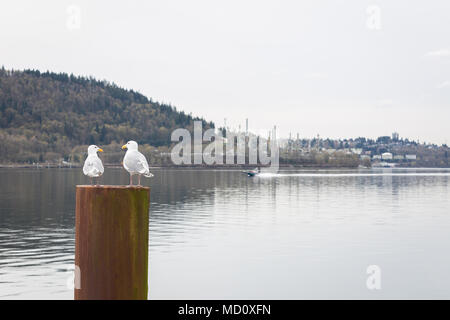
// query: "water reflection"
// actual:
[[219, 234]]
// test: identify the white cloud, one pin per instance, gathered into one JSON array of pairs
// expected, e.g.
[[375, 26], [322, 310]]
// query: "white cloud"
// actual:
[[439, 53]]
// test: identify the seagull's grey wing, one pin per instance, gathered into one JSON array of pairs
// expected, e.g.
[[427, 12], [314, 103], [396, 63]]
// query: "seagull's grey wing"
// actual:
[[146, 172], [142, 164], [93, 166], [99, 165], [134, 162]]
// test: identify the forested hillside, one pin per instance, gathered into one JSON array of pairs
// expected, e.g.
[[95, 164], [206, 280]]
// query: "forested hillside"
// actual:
[[46, 117]]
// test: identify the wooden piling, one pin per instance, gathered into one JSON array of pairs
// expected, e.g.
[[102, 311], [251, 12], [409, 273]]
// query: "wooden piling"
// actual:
[[111, 242]]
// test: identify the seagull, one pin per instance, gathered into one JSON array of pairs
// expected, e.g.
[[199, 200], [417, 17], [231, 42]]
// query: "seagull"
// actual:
[[135, 163], [93, 166]]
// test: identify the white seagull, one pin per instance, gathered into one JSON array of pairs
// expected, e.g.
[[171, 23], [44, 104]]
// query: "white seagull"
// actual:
[[135, 163], [93, 166]]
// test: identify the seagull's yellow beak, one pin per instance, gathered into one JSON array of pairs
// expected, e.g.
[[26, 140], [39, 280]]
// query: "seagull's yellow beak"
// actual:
[[101, 150], [124, 146]]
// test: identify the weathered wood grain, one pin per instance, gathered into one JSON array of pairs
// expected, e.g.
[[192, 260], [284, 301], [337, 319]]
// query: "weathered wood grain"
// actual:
[[111, 242]]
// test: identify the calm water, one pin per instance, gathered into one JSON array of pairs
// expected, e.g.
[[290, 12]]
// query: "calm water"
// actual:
[[219, 234]]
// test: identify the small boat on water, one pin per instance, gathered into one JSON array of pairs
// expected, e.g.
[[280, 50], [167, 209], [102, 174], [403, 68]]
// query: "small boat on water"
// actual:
[[383, 165], [251, 173]]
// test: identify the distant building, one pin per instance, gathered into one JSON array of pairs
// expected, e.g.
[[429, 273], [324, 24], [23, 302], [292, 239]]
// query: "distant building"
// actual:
[[410, 157], [399, 157], [395, 136], [364, 157], [386, 156], [356, 150], [376, 157]]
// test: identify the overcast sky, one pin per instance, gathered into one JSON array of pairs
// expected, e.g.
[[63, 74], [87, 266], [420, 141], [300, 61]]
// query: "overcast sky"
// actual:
[[338, 68]]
